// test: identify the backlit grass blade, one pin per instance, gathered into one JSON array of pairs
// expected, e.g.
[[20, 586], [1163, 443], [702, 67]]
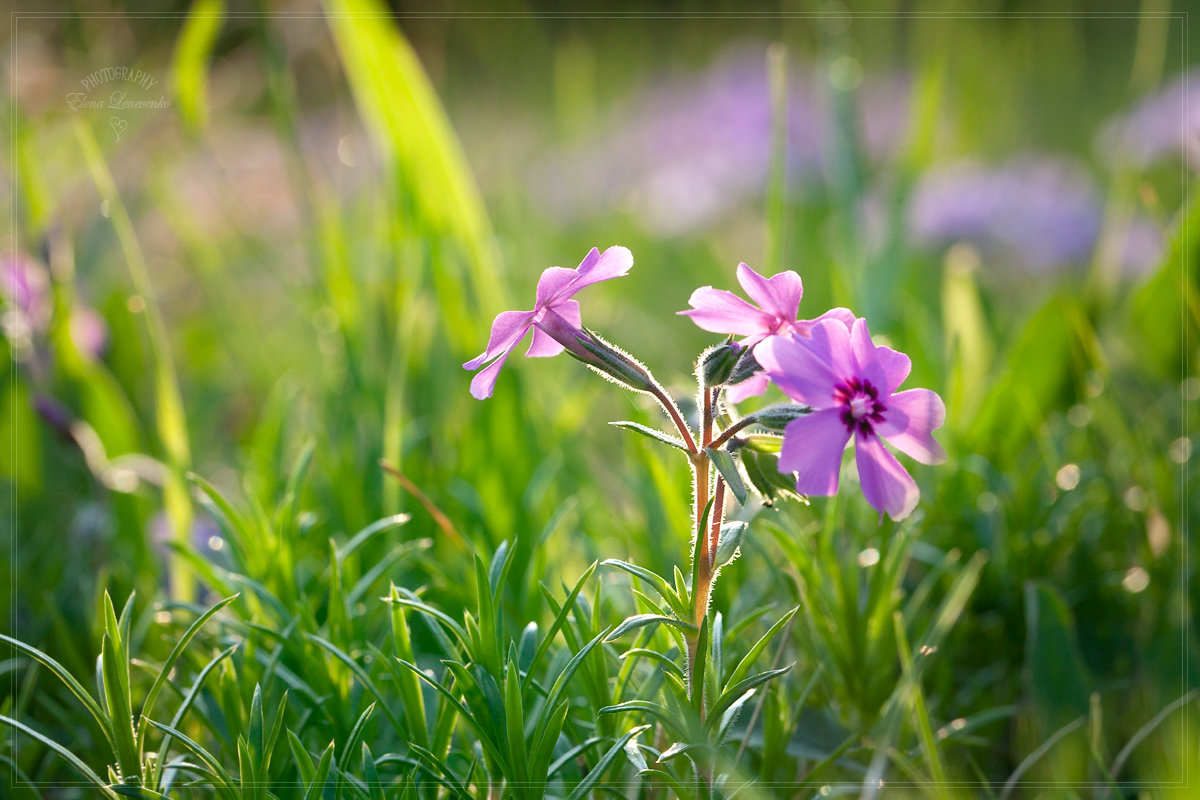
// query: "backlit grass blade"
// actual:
[[225, 783], [582, 788], [189, 699], [190, 64], [77, 689], [63, 753], [405, 118], [171, 423], [169, 665], [362, 677]]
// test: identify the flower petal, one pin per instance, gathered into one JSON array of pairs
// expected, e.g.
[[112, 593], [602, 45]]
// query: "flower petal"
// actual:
[[812, 448], [753, 386], [508, 328], [843, 315], [555, 285], [778, 295], [886, 485], [895, 366], [485, 380], [807, 370], [909, 422], [612, 263], [724, 312], [865, 357], [544, 345], [558, 284]]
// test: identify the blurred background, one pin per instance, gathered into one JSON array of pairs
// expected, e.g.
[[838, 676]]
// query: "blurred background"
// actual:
[[297, 222]]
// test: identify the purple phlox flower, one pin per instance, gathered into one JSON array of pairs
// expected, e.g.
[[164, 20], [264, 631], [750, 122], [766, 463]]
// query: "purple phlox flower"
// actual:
[[89, 332], [778, 299], [26, 286], [1160, 125], [690, 149], [850, 385], [1142, 246], [554, 312], [1039, 211]]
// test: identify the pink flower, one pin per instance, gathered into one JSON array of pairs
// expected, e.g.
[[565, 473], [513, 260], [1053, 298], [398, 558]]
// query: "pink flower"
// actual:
[[554, 310], [850, 385], [778, 299]]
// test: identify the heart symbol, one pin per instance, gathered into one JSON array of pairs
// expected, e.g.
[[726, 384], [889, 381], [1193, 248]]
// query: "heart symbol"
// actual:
[[119, 125]]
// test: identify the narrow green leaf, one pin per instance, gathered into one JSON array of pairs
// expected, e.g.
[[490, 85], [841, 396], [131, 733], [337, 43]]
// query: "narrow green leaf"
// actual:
[[360, 727], [747, 662], [463, 711], [730, 540], [651, 433], [188, 700], [597, 772], [642, 620], [446, 777], [370, 775], [407, 683], [363, 678], [190, 63], [514, 718], [321, 774], [63, 753], [225, 782], [77, 689], [369, 532], [559, 618], [727, 466], [735, 691], [655, 580], [545, 740], [116, 693], [164, 673], [304, 762]]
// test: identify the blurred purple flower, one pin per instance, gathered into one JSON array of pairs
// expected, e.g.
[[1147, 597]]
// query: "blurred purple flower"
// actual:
[[205, 537], [555, 314], [89, 332], [26, 287], [849, 384], [689, 149], [1044, 212], [1143, 248], [1160, 125]]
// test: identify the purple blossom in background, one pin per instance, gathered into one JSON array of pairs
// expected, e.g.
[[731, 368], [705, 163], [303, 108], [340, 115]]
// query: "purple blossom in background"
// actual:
[[26, 288], [850, 384], [778, 299], [89, 332], [206, 536], [1161, 125], [1042, 212], [689, 149], [1145, 242], [554, 309]]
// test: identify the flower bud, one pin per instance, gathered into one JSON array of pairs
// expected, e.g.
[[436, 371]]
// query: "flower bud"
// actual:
[[615, 363], [716, 364], [777, 417], [744, 369]]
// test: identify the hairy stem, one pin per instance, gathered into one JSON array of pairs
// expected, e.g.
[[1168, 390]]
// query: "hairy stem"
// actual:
[[729, 432], [669, 406]]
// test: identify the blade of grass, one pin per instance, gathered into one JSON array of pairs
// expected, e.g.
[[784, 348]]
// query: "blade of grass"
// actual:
[[169, 413]]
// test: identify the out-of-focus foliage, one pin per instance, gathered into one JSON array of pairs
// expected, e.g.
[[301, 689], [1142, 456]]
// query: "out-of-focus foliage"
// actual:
[[222, 310]]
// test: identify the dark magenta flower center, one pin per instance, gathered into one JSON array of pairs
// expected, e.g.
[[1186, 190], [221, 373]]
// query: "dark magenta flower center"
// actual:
[[861, 409]]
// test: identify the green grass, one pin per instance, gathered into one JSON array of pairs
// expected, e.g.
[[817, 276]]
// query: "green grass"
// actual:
[[505, 609]]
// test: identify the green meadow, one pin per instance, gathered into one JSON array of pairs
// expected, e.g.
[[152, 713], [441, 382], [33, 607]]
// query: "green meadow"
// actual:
[[260, 540]]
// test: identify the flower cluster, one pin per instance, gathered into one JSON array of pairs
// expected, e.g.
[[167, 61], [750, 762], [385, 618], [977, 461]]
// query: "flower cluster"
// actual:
[[843, 386]]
